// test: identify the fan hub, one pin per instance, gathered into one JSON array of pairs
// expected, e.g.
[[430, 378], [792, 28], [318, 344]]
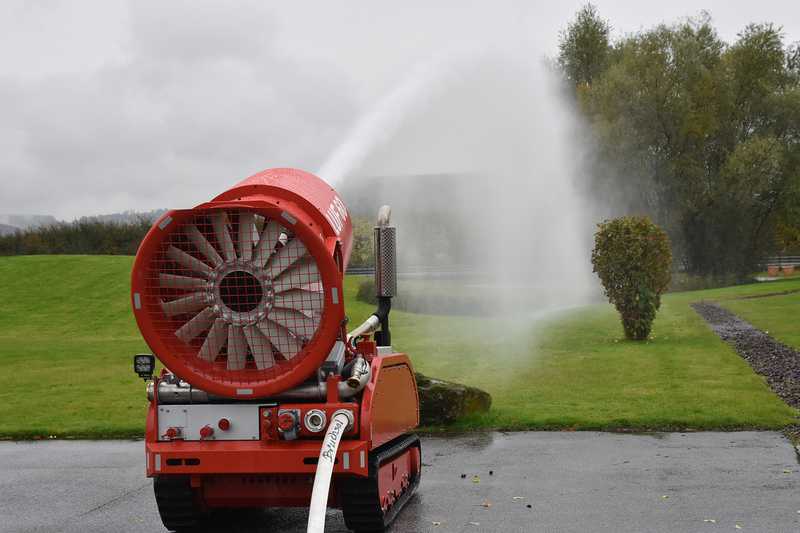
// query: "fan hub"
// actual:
[[242, 293]]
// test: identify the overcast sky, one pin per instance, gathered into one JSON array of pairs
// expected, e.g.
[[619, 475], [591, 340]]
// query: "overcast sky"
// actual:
[[115, 105]]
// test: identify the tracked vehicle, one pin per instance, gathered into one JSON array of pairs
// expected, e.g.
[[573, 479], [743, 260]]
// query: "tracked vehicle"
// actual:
[[264, 398]]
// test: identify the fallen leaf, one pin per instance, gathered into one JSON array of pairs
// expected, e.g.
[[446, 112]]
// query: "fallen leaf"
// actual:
[[436, 524], [787, 471], [710, 520], [665, 497], [517, 498], [737, 526], [476, 479]]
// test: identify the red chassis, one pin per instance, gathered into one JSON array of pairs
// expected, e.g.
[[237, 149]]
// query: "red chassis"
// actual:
[[377, 456]]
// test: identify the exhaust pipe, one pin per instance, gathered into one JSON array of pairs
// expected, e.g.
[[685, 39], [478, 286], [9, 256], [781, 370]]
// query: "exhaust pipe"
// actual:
[[385, 255], [385, 243]]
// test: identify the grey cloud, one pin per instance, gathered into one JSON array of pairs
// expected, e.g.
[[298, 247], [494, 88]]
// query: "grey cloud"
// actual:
[[130, 104], [202, 99]]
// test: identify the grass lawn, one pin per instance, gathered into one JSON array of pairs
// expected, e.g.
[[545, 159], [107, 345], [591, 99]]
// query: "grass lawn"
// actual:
[[576, 370], [779, 314], [67, 336]]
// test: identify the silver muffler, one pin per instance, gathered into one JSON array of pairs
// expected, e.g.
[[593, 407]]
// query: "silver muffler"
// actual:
[[385, 255]]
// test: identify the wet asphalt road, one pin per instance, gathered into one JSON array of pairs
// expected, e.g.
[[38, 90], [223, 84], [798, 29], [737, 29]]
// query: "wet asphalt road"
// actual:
[[573, 482]]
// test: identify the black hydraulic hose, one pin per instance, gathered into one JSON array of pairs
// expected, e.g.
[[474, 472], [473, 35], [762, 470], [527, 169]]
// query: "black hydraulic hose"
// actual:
[[378, 319], [384, 306], [382, 314]]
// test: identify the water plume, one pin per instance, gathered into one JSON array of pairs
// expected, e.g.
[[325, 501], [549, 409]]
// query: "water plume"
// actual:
[[480, 155], [380, 124]]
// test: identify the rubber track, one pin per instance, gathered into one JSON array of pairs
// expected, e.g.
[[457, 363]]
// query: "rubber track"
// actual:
[[361, 502], [176, 503]]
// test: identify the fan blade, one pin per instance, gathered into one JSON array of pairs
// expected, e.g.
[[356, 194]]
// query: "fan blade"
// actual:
[[246, 229], [187, 304], [300, 300], [258, 222], [171, 281], [203, 246], [260, 347], [196, 325], [286, 257], [187, 261], [299, 276], [214, 341], [220, 222], [280, 338], [237, 348], [296, 322], [267, 242]]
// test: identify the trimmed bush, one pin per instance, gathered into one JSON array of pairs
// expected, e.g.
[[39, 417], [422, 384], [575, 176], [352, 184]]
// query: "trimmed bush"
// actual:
[[366, 291], [632, 257]]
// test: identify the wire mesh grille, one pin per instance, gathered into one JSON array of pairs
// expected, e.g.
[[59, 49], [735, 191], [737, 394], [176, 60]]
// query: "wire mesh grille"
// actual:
[[234, 293]]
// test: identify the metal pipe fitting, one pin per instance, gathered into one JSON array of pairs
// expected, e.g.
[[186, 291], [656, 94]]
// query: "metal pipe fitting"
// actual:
[[347, 414], [183, 393], [359, 374], [384, 215], [370, 325]]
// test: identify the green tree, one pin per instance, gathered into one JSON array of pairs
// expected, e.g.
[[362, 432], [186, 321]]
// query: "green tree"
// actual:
[[701, 135], [584, 46], [632, 257]]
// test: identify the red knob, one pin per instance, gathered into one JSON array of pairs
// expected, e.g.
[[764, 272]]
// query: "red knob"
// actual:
[[206, 432], [286, 422], [171, 433], [224, 424]]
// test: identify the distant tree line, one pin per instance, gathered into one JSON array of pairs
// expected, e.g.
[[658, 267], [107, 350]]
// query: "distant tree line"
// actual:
[[84, 236], [700, 134], [105, 237]]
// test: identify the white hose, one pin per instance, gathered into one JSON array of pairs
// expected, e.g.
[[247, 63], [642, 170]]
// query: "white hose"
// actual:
[[322, 480]]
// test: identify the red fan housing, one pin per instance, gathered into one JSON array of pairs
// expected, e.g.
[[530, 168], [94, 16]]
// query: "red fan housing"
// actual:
[[242, 296]]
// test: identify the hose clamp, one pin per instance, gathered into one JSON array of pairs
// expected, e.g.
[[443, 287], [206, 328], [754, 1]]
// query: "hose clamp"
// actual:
[[351, 421]]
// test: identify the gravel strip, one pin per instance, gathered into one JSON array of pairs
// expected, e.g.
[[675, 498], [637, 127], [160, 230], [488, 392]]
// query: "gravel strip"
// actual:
[[777, 362]]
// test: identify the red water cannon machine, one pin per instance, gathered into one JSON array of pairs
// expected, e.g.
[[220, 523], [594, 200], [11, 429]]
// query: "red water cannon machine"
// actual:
[[265, 400]]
